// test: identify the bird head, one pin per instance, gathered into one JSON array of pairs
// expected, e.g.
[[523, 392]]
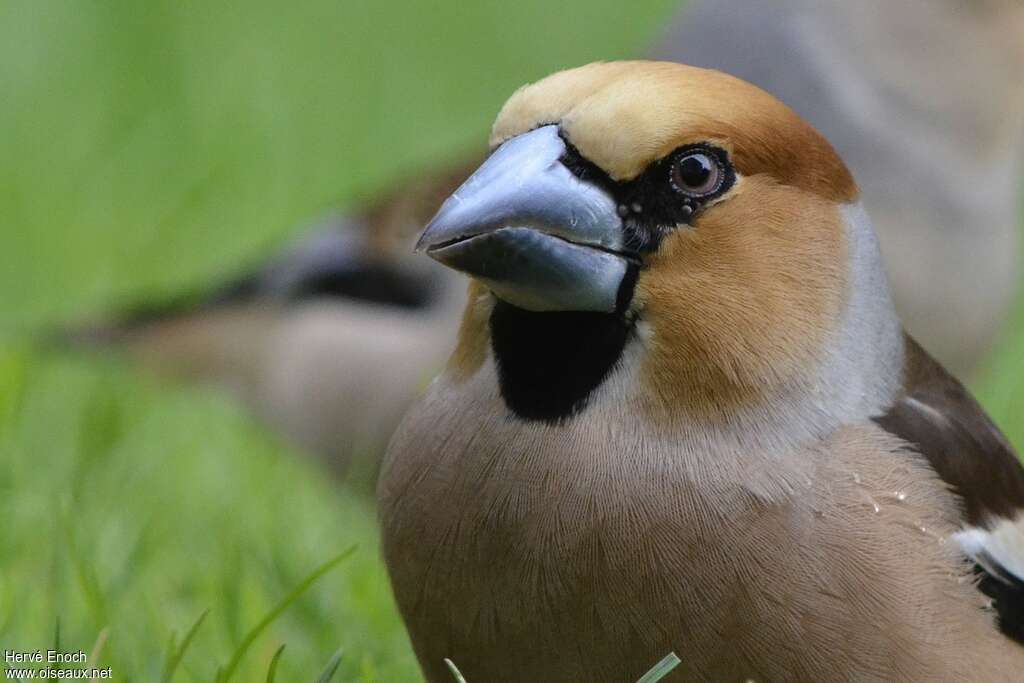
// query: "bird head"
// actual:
[[679, 208]]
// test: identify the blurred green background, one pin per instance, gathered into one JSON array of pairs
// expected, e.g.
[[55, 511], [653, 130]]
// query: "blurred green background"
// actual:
[[148, 148]]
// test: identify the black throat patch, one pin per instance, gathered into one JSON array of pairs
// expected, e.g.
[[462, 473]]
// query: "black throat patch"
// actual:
[[549, 363]]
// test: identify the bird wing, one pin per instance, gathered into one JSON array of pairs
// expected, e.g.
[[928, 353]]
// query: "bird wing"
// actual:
[[947, 426]]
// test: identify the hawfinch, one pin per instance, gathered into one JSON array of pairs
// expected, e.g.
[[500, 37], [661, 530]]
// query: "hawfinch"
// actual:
[[682, 415]]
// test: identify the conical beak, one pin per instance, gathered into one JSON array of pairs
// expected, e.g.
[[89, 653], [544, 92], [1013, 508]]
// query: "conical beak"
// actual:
[[526, 227]]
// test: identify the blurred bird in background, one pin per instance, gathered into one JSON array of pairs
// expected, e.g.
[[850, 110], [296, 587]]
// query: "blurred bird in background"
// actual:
[[330, 341]]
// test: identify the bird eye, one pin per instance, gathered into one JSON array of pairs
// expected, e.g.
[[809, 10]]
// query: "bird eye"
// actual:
[[696, 173]]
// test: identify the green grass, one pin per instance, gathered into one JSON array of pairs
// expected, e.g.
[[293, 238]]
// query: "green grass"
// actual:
[[656, 673], [1000, 386], [149, 148], [134, 507]]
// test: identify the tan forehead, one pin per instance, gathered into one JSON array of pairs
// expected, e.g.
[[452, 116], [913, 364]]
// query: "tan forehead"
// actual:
[[624, 115]]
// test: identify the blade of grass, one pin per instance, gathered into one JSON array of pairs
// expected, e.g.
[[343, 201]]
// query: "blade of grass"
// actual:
[[172, 646], [328, 673], [272, 671], [294, 595], [56, 642], [97, 647], [661, 669], [174, 660], [459, 678], [85, 573]]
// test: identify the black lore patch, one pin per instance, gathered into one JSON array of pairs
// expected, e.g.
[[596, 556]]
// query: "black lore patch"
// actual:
[[550, 363]]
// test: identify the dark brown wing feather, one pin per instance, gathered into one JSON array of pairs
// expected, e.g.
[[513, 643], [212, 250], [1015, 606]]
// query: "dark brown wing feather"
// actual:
[[938, 416], [952, 431]]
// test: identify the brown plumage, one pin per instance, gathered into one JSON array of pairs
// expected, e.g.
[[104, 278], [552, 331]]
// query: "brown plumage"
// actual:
[[944, 423], [594, 103], [688, 460]]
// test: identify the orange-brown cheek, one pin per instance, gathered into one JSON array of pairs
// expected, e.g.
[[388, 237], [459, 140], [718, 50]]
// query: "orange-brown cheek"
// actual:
[[744, 301], [471, 347]]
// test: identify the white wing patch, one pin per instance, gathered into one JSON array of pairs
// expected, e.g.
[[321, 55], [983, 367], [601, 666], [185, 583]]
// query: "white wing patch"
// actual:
[[1002, 545]]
